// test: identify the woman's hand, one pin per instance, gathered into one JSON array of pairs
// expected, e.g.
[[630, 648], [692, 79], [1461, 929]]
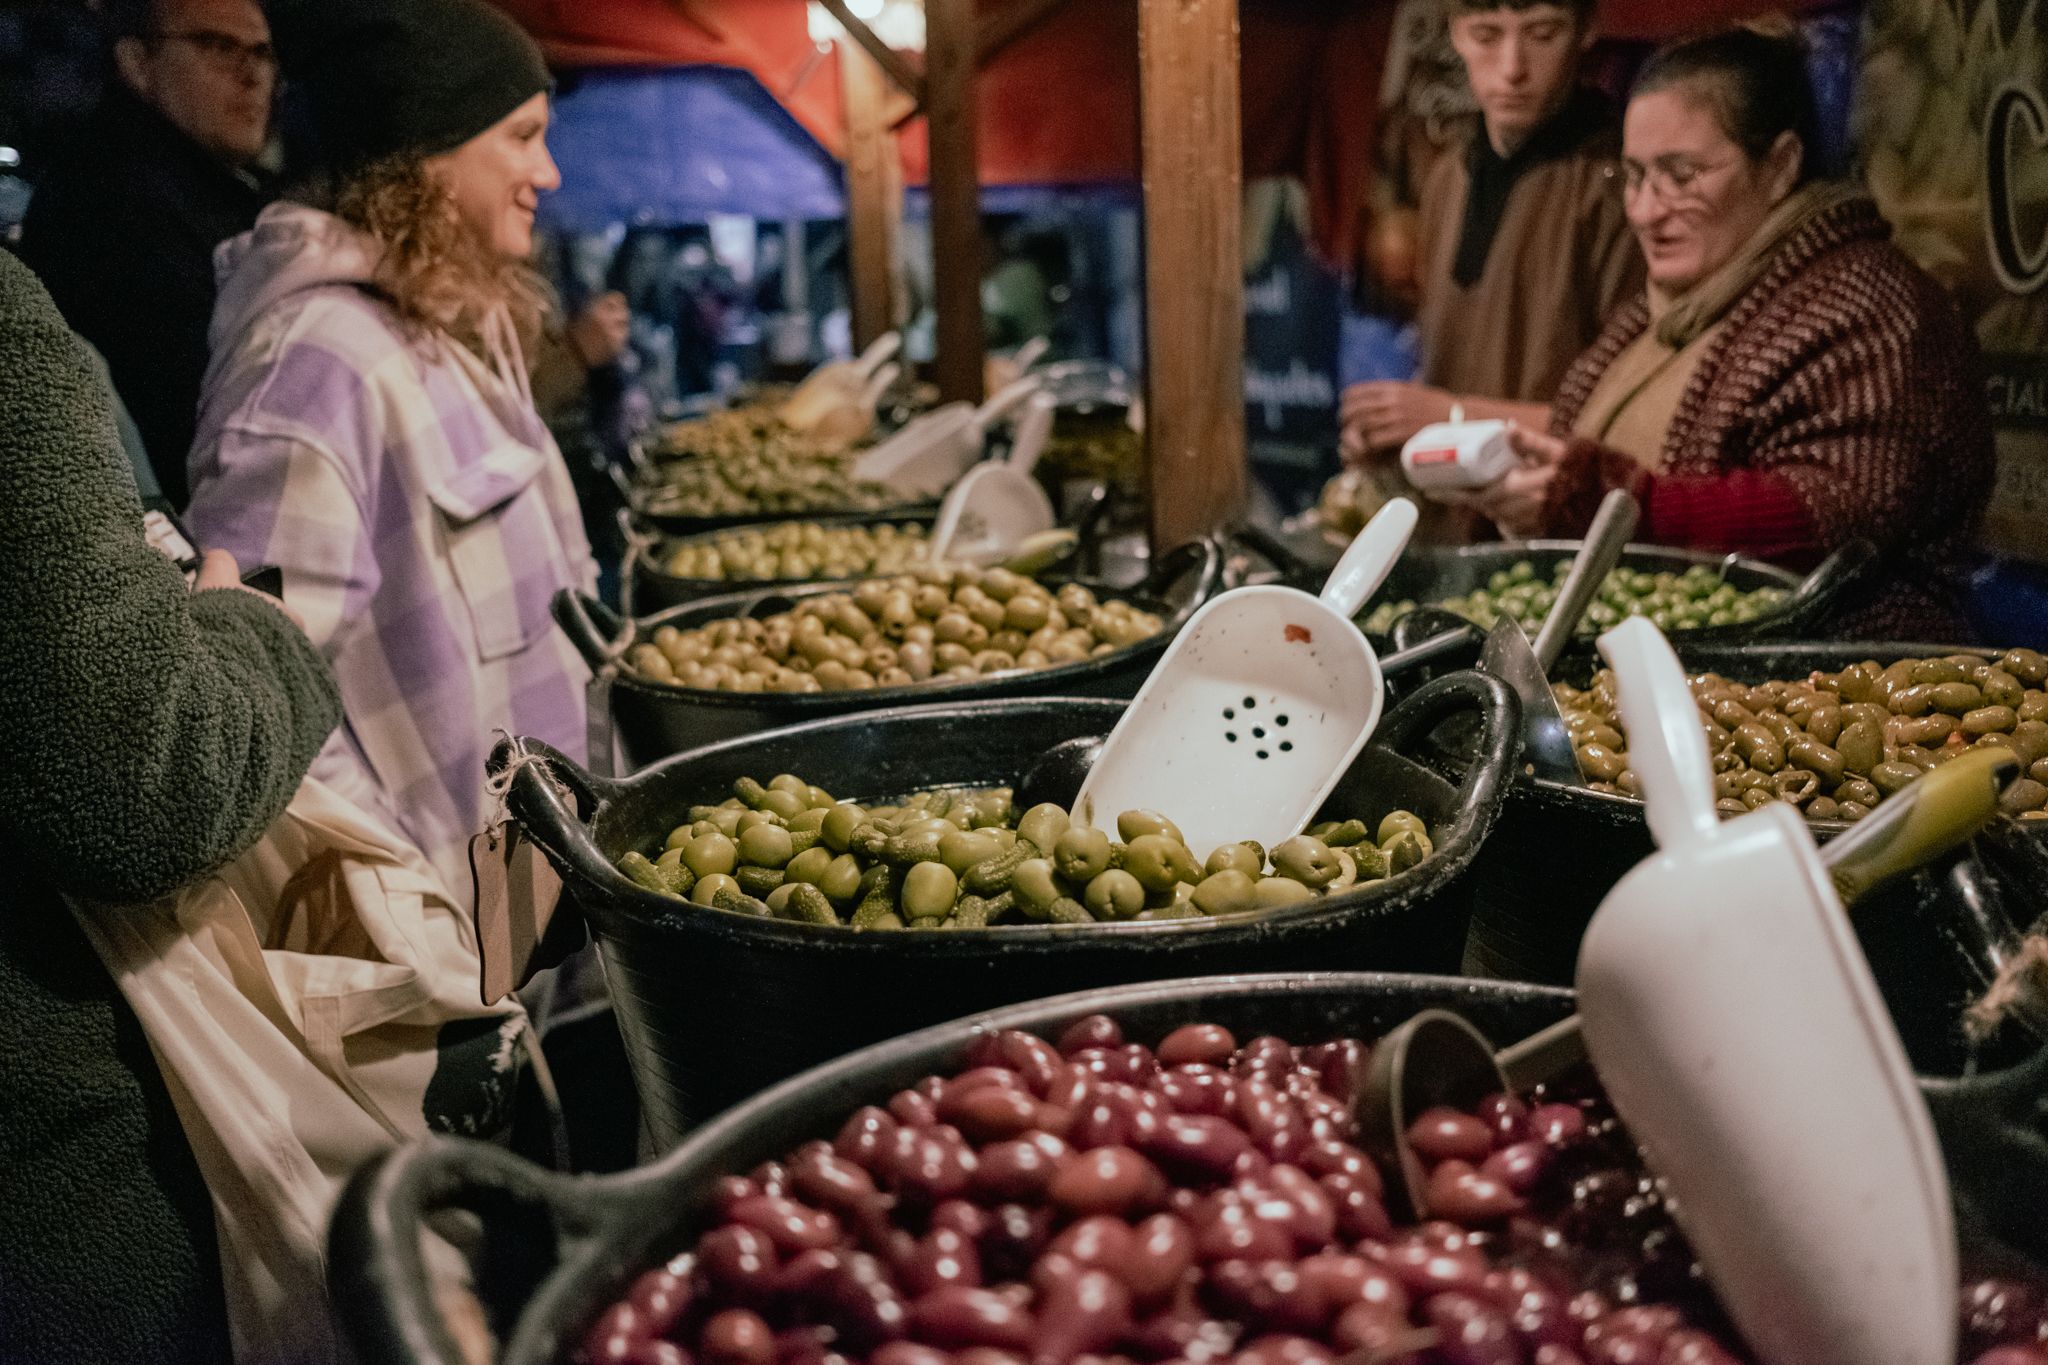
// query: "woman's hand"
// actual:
[[1515, 503], [600, 332], [1383, 414], [218, 569]]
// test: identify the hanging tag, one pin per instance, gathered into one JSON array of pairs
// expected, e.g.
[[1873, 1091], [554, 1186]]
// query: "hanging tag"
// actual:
[[517, 891]]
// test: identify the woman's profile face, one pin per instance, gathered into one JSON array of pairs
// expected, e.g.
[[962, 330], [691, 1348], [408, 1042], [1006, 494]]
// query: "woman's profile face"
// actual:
[[1694, 196], [496, 178]]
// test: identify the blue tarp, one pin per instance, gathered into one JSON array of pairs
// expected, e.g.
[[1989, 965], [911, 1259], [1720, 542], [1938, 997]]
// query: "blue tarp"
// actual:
[[677, 145]]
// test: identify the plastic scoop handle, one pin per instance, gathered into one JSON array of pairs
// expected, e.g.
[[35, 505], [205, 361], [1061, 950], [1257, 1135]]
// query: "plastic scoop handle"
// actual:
[[879, 350], [1034, 429], [1001, 401], [878, 383], [1372, 556], [1028, 354], [1669, 751]]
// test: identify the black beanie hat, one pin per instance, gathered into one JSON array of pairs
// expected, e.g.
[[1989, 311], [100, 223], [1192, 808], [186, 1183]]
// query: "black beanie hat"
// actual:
[[403, 77]]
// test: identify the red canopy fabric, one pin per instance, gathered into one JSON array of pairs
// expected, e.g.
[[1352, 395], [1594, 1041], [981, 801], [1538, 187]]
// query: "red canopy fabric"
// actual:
[[1059, 106]]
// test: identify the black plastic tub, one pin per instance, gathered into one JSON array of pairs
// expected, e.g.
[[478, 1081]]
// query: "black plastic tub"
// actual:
[[714, 1006], [654, 720], [654, 588], [559, 1249], [1558, 850], [556, 1251], [1429, 574]]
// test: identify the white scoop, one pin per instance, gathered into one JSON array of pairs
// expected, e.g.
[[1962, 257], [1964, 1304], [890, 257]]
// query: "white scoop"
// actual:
[[998, 505], [846, 420], [830, 386], [1734, 1021], [934, 449], [1257, 708]]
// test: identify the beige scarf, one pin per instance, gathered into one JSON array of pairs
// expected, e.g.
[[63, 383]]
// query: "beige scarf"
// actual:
[[1631, 407]]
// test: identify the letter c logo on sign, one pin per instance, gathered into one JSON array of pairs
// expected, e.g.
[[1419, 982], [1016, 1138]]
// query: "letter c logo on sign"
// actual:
[[2022, 267]]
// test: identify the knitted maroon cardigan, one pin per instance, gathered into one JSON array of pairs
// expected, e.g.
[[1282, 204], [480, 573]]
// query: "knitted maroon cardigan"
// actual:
[[1844, 398]]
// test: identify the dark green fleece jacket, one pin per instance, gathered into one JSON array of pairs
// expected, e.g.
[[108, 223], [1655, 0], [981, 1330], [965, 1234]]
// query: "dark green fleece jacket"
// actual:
[[147, 735]]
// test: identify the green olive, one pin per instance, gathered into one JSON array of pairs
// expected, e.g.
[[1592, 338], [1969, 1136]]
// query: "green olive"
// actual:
[[810, 865], [727, 818], [1309, 861], [708, 855], [1235, 857], [1035, 884], [1227, 892], [1398, 822], [841, 881], [840, 823], [1114, 894], [705, 892], [1043, 825], [783, 803], [1406, 850], [1274, 892], [1133, 824], [1082, 854], [766, 846], [1154, 860], [754, 819], [962, 849], [929, 891]]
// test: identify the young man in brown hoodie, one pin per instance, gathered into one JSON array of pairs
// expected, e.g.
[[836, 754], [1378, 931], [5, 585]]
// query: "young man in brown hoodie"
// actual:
[[1524, 248]]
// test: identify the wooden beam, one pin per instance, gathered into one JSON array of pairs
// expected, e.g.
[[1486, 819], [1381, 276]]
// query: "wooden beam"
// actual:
[[874, 196], [1010, 23], [955, 195], [1194, 267], [886, 57]]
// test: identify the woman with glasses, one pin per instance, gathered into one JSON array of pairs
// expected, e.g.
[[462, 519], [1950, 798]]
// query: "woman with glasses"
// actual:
[[1789, 381]]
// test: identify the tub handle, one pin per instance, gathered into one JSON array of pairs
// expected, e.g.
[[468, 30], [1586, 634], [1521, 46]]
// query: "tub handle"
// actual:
[[1830, 583], [1485, 785], [547, 819], [1203, 557], [538, 1234], [598, 633]]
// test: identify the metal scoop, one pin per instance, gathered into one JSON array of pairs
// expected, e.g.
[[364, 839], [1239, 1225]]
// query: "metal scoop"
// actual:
[[1257, 708], [933, 450], [1437, 1058], [1546, 743], [998, 506]]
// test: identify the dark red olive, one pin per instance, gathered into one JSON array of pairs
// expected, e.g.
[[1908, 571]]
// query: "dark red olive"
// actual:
[[1226, 1228], [1687, 1346], [740, 1263], [1184, 1334], [1015, 1236], [615, 1336], [658, 1352], [793, 1227], [1094, 1030], [1360, 1212], [728, 1190], [2008, 1355], [660, 1296], [1140, 1066], [1265, 1057], [924, 1168], [1506, 1116], [913, 1110], [1098, 1123], [1105, 1180], [954, 1317], [865, 1136], [1163, 1250], [1342, 1064], [1520, 1166], [808, 1277], [1096, 1243], [986, 1355], [1471, 1331], [1427, 1268], [1998, 1312], [1557, 1124], [943, 1257], [1459, 1192], [1370, 1327], [771, 1178], [1211, 1044], [909, 1353], [958, 1215], [1534, 1307], [1266, 1295], [1010, 1171], [1445, 1134], [1556, 1355], [864, 1303], [1315, 1225], [1340, 1158], [990, 1113], [1339, 1281], [1631, 1336], [1197, 1146], [1086, 1310], [1284, 1350], [1199, 1089], [832, 1182], [737, 1336]]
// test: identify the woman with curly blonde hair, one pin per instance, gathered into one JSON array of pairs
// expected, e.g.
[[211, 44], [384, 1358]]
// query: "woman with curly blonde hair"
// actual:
[[367, 423]]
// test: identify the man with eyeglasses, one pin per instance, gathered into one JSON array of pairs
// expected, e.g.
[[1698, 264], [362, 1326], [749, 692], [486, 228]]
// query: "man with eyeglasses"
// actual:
[[122, 229], [1524, 248]]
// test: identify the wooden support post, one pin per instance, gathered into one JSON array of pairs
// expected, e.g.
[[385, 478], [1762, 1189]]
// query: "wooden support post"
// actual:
[[955, 195], [1194, 267], [888, 58], [874, 197]]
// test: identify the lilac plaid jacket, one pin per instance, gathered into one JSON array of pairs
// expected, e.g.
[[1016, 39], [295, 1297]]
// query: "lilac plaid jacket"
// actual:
[[418, 508]]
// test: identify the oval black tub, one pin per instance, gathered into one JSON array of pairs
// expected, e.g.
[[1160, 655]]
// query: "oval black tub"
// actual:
[[654, 720], [654, 588], [714, 1006], [555, 1251], [1558, 850]]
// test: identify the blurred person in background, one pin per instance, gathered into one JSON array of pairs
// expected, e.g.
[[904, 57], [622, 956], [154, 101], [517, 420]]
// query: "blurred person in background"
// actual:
[[368, 424], [1523, 248], [123, 227], [1789, 381]]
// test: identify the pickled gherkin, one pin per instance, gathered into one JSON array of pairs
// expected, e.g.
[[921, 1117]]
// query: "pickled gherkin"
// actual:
[[969, 859]]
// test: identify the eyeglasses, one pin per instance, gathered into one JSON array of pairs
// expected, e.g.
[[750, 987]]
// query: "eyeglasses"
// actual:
[[225, 50], [1673, 179]]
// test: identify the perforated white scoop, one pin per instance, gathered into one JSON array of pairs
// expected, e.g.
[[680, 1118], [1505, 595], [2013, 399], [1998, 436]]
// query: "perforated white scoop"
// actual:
[[1256, 709], [1736, 1026], [998, 505], [933, 450]]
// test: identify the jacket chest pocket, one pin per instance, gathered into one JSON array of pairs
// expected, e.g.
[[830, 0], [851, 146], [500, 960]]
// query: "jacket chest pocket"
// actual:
[[500, 550]]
